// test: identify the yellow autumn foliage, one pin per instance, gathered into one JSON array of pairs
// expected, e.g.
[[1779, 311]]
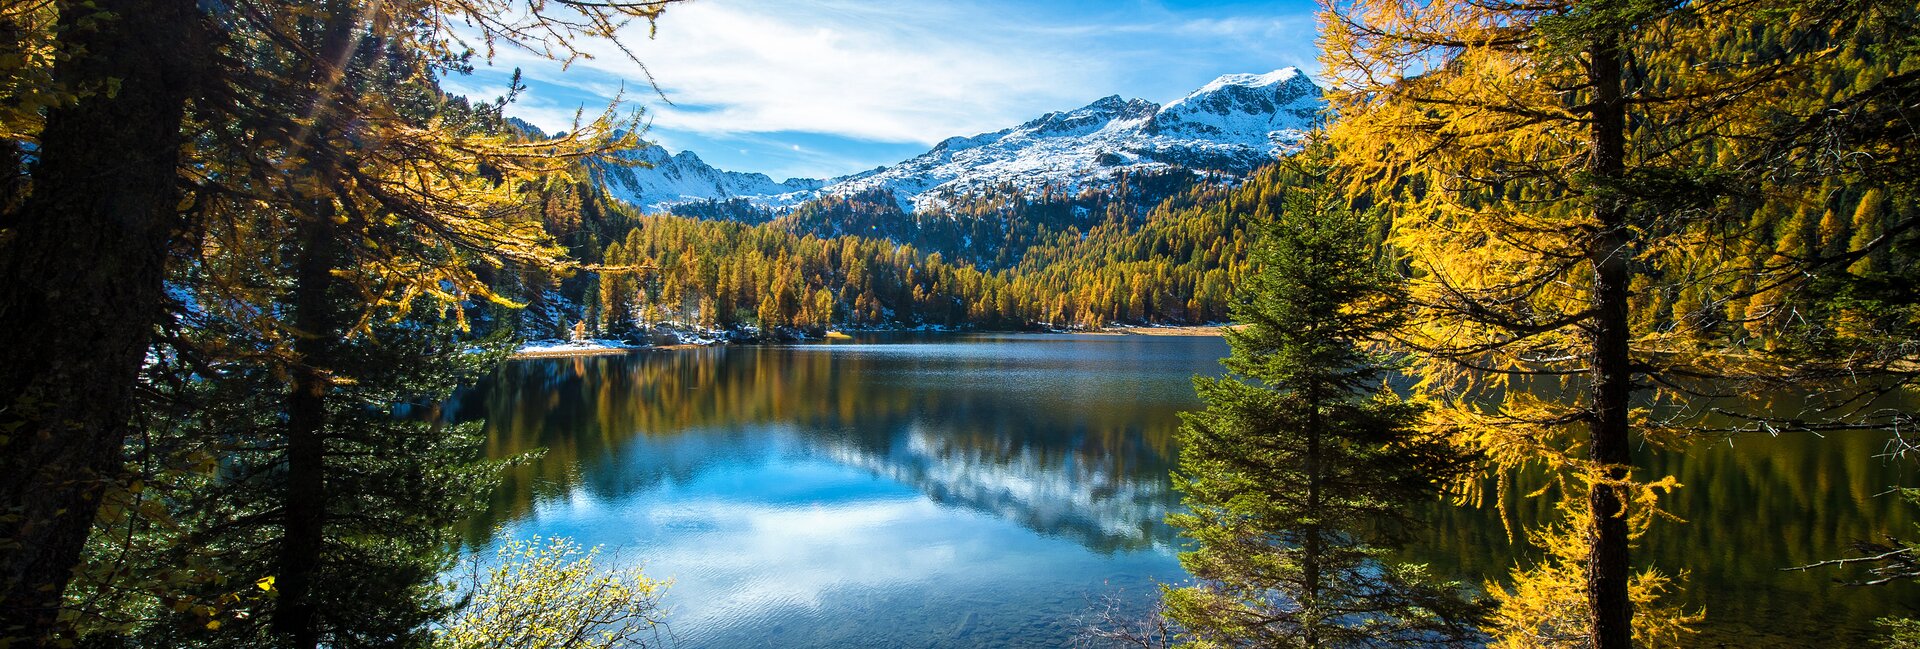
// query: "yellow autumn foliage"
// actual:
[[1572, 187], [552, 594], [1545, 607]]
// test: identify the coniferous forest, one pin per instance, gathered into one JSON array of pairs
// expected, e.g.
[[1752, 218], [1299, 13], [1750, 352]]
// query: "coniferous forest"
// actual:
[[267, 270], [1057, 263]]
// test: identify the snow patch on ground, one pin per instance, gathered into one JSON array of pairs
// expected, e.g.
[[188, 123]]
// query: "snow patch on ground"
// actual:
[[562, 347]]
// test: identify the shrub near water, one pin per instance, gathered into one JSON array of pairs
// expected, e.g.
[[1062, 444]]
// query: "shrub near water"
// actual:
[[550, 594]]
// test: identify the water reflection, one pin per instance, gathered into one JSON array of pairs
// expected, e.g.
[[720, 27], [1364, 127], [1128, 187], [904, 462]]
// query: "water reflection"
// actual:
[[976, 490], [891, 492], [1752, 506], [1035, 430]]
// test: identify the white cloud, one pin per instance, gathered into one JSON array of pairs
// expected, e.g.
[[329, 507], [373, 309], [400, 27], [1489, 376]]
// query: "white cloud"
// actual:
[[472, 88], [859, 83], [861, 71]]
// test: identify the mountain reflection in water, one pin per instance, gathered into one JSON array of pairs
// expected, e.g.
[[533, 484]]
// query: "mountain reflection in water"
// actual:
[[820, 494], [981, 490]]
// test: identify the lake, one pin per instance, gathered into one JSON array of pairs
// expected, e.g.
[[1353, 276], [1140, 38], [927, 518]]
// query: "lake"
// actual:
[[916, 490]]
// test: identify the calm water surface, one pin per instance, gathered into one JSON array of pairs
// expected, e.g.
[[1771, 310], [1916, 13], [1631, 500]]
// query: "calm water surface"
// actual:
[[985, 490]]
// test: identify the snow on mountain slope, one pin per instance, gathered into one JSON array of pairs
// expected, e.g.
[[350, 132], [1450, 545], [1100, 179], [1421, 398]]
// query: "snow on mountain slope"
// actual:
[[680, 178], [1244, 109], [1233, 124]]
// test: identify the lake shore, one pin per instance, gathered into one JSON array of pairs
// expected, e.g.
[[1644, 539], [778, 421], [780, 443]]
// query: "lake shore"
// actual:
[[608, 347], [1171, 330], [571, 350]]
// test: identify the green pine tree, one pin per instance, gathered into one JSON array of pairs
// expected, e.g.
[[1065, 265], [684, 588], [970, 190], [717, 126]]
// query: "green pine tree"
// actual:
[[1303, 472], [194, 558]]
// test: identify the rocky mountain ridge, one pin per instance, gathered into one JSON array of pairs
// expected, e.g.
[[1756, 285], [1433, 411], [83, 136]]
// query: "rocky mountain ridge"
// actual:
[[1231, 126]]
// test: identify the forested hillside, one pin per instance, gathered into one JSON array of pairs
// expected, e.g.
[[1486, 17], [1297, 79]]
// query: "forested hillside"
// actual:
[[1161, 249]]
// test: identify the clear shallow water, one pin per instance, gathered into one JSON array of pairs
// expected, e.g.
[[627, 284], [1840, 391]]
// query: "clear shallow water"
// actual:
[[984, 490]]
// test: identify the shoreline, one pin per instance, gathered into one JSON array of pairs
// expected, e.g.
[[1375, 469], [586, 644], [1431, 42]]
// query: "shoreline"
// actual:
[[608, 348], [1172, 330], [575, 352]]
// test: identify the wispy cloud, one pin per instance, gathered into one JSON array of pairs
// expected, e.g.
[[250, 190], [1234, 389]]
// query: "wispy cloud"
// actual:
[[861, 71], [906, 71]]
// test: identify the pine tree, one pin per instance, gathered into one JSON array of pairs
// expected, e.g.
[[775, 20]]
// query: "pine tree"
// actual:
[[198, 559], [275, 116], [1303, 472]]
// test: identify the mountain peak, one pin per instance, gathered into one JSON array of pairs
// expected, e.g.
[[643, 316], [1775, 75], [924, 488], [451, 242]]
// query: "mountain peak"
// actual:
[[1278, 107], [1117, 105], [1249, 93], [1282, 76], [669, 179], [1231, 125], [1101, 114]]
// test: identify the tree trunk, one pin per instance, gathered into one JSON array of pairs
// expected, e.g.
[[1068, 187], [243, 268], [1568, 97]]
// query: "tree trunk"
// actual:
[[81, 287], [1610, 255], [1314, 546], [295, 618]]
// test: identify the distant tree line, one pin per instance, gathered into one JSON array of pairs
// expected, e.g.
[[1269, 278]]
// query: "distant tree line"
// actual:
[[998, 260]]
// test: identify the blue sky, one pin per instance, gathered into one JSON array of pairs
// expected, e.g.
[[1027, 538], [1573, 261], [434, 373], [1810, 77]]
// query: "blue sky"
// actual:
[[821, 88]]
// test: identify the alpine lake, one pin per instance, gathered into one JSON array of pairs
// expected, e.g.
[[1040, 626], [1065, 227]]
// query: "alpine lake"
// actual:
[[998, 490]]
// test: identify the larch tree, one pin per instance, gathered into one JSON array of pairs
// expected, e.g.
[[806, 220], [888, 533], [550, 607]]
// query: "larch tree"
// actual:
[[197, 107], [1304, 472], [81, 264], [389, 199], [1580, 190]]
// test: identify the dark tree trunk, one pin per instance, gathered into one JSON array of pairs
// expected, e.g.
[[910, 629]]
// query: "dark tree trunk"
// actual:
[[82, 286], [1315, 544], [1610, 256], [295, 618]]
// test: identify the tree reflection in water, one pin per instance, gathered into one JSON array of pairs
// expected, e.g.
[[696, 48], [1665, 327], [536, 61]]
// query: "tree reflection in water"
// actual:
[[1069, 437], [1063, 442]]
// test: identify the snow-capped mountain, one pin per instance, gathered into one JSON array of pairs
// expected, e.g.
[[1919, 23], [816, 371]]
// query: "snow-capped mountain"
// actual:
[[674, 179], [1233, 124]]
